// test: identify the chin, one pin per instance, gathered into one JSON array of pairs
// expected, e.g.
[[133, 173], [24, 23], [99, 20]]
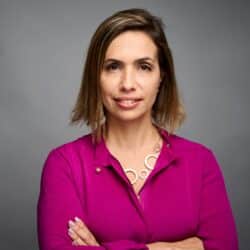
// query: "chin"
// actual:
[[128, 117]]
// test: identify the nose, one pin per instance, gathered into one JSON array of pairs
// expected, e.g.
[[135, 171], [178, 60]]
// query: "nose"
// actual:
[[128, 80]]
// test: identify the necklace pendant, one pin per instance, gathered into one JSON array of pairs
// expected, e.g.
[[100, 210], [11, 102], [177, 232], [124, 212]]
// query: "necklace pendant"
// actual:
[[131, 170], [143, 174], [154, 156]]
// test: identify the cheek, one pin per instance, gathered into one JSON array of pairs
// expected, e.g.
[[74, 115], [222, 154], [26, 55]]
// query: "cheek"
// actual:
[[153, 88], [149, 81], [108, 85], [153, 98], [105, 96], [105, 87], [152, 94], [107, 93]]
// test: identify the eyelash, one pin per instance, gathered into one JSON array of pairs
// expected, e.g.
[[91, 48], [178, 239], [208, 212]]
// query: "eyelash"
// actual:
[[109, 67]]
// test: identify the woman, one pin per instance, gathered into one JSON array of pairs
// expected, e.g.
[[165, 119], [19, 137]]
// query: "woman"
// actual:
[[132, 183]]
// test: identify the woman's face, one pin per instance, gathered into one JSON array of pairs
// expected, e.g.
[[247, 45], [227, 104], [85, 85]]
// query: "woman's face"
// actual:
[[130, 77]]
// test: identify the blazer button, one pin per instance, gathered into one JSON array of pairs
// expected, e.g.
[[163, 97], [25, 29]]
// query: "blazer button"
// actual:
[[98, 170]]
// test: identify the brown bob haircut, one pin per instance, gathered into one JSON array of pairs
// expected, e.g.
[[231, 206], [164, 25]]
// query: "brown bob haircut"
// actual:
[[167, 111]]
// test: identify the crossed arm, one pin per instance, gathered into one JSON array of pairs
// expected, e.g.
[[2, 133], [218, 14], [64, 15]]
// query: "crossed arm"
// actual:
[[81, 236], [58, 202]]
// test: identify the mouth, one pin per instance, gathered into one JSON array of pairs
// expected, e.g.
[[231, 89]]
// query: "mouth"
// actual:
[[127, 99], [127, 103]]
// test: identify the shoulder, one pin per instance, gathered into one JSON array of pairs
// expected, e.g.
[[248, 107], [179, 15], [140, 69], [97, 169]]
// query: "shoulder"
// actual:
[[199, 154], [192, 150], [70, 149], [68, 159], [184, 144]]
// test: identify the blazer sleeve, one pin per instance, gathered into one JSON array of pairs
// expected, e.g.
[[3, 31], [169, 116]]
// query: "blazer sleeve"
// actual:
[[58, 202], [217, 227]]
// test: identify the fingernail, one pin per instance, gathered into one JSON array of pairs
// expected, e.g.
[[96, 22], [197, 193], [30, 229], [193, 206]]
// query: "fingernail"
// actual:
[[71, 223], [70, 231], [77, 219]]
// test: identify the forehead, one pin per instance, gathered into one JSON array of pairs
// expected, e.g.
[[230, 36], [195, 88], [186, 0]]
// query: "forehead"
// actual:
[[130, 45]]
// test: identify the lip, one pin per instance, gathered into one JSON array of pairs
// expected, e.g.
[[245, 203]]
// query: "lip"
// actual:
[[127, 98], [124, 103]]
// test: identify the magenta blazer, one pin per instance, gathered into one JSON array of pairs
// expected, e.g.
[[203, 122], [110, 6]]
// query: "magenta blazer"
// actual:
[[184, 196]]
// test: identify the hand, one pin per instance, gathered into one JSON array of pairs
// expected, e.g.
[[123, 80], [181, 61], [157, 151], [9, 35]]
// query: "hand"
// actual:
[[192, 243], [80, 234], [160, 246]]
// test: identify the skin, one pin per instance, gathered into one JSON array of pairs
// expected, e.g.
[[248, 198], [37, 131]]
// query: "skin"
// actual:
[[130, 75], [130, 131]]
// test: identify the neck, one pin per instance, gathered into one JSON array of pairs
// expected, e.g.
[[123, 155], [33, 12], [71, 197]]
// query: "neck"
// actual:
[[131, 137]]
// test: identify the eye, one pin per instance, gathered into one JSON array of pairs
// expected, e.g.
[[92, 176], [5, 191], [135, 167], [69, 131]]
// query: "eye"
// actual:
[[145, 67], [112, 66]]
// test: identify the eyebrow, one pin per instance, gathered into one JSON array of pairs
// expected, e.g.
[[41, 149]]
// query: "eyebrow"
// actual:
[[137, 60]]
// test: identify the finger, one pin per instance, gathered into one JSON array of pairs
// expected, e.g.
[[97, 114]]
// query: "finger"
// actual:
[[75, 238], [78, 242], [72, 234], [79, 222], [83, 232], [83, 226]]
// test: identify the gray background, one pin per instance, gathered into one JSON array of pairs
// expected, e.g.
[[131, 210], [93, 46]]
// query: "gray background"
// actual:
[[42, 50]]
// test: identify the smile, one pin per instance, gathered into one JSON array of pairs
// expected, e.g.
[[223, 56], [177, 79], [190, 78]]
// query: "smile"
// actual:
[[127, 103]]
